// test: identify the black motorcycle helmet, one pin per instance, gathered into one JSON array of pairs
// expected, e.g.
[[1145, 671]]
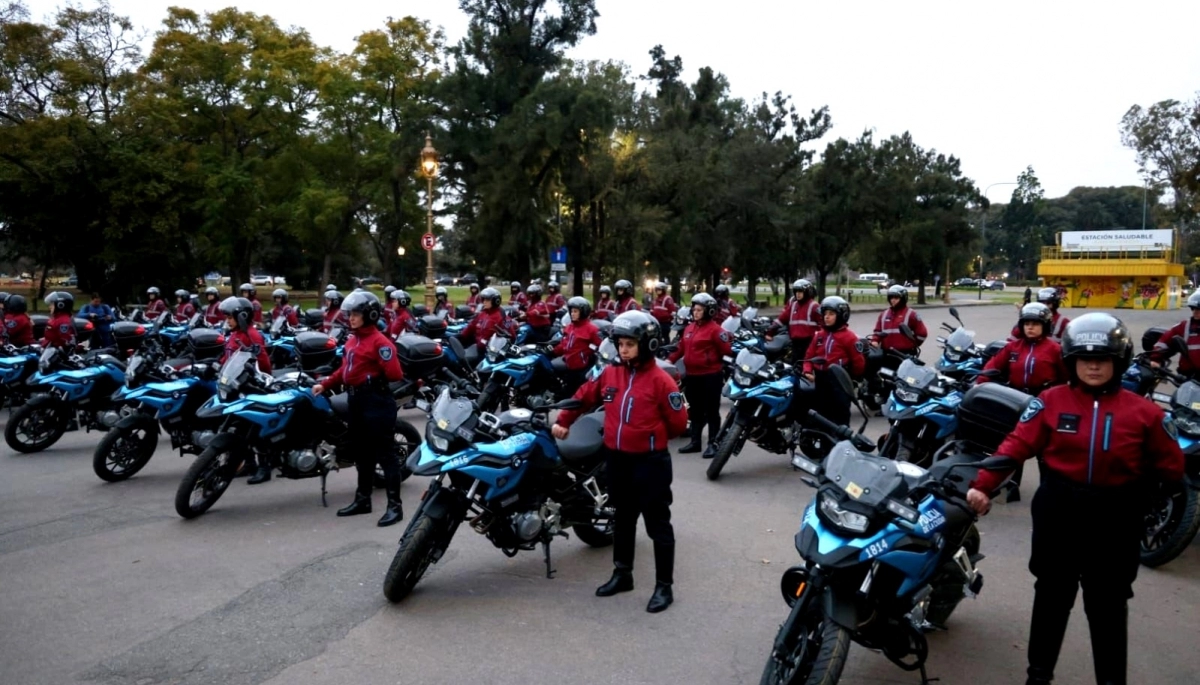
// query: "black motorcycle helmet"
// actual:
[[515, 286], [722, 292], [708, 302], [660, 288], [1097, 335], [387, 292], [584, 307], [490, 295], [605, 290], [623, 288], [1050, 298], [553, 286], [402, 298], [211, 294], [534, 292], [16, 305], [60, 301], [440, 293], [1036, 312], [152, 293], [4, 298], [182, 294], [900, 292], [248, 290], [334, 299], [240, 309], [364, 303], [802, 286], [280, 295], [474, 288], [838, 306], [641, 327]]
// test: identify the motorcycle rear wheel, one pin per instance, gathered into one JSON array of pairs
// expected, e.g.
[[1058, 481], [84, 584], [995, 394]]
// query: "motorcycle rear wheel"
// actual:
[[411, 560], [34, 428], [1175, 514], [123, 452], [948, 584], [817, 658], [209, 477], [594, 535], [724, 450]]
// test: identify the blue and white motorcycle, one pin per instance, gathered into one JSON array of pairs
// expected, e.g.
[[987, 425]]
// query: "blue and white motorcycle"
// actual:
[[508, 479], [961, 357], [68, 391], [922, 411], [17, 364], [1173, 517], [889, 549]]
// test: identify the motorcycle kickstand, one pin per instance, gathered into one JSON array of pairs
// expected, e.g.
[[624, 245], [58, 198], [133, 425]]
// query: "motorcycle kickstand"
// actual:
[[925, 679], [324, 502], [550, 570]]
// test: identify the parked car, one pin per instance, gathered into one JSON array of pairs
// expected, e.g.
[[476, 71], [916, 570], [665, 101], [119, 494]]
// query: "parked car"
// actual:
[[993, 285], [965, 283], [468, 279], [369, 280], [445, 280], [72, 282], [262, 280]]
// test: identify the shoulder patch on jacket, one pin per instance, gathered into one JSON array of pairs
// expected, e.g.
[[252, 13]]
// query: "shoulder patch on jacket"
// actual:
[[1035, 407], [1169, 426], [675, 399], [64, 328], [386, 352], [724, 336]]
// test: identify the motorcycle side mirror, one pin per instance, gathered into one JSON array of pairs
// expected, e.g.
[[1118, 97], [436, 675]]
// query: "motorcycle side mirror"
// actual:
[[570, 403], [843, 379], [1178, 344], [954, 313], [907, 332]]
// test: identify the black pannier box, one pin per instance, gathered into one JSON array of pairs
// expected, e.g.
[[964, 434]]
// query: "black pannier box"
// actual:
[[993, 349], [419, 355], [1151, 336], [128, 335], [39, 322], [313, 318], [315, 349], [432, 326], [206, 344], [83, 330], [463, 311], [988, 413]]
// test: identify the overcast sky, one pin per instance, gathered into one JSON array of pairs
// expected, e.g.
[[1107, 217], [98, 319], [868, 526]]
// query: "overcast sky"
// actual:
[[1001, 85]]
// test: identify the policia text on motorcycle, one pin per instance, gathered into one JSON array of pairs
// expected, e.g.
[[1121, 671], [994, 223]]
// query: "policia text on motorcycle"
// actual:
[[1101, 450]]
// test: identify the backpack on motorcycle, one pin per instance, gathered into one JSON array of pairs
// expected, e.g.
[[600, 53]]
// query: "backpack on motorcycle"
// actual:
[[419, 356], [992, 349], [432, 326], [129, 335], [206, 344], [315, 350], [988, 413], [1151, 337]]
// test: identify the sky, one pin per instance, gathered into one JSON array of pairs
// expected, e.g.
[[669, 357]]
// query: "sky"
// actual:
[[1000, 85]]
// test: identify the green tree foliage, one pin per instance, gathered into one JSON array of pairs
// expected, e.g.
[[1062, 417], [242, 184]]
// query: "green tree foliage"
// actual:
[[1166, 138]]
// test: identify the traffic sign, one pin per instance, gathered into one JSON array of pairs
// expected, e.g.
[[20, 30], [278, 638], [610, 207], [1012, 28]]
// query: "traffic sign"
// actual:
[[558, 255], [558, 267], [427, 241]]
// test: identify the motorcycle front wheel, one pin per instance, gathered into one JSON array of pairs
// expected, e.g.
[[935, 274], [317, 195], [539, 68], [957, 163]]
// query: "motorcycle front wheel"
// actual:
[[123, 452], [1171, 523], [725, 449], [205, 481], [411, 560], [817, 657], [33, 428]]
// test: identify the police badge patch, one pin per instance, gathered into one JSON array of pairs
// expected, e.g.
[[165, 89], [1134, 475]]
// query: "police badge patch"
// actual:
[[675, 399], [386, 352], [64, 328], [1035, 407], [724, 336]]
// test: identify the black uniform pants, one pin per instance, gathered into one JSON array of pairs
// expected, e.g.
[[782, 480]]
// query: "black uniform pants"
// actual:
[[571, 378], [829, 399], [372, 425], [538, 335], [704, 404], [640, 485], [1087, 537], [799, 351]]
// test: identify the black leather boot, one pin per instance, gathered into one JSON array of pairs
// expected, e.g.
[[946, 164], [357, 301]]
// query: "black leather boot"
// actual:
[[661, 599], [1038, 676], [621, 581], [360, 505], [710, 451], [690, 448], [395, 512], [261, 476]]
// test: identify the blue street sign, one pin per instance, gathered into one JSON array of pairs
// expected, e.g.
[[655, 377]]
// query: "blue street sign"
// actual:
[[558, 255]]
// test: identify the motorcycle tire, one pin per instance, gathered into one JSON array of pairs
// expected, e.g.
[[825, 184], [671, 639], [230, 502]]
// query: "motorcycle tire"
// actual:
[[210, 475], [1175, 513], [594, 536], [407, 440], [411, 560], [948, 584], [822, 668], [724, 450], [123, 452], [42, 418]]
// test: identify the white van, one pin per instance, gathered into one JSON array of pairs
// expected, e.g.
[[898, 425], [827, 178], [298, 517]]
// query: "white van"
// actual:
[[873, 277]]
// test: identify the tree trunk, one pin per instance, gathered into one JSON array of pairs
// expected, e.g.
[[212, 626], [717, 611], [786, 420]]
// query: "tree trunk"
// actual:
[[751, 286], [577, 249], [326, 268], [822, 279], [921, 290], [42, 281], [598, 232]]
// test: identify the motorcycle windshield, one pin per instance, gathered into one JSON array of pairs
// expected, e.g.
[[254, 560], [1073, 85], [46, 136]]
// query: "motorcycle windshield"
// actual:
[[915, 376], [47, 359], [277, 326], [450, 413], [731, 324], [233, 371], [131, 371], [1187, 397], [750, 315], [960, 340], [749, 362], [866, 479], [607, 351]]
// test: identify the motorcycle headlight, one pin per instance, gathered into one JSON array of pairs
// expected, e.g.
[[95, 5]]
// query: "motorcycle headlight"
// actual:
[[1187, 422], [439, 443], [743, 380], [907, 395], [953, 355], [847, 520]]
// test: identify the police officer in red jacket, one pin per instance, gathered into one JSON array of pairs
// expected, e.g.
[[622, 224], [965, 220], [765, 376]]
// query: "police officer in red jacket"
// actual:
[[626, 302], [606, 306], [834, 345], [212, 307], [1034, 362], [726, 307], [887, 333], [555, 297], [490, 321], [60, 330], [1058, 322], [184, 309], [282, 309], [239, 320], [643, 410], [1189, 330], [370, 365], [402, 320], [17, 325], [249, 292], [155, 307], [473, 300], [517, 297], [576, 352], [538, 315], [703, 347], [801, 317], [441, 301], [334, 317], [1102, 449], [663, 307]]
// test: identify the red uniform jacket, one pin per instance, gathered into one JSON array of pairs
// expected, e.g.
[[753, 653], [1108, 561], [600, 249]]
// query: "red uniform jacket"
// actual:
[[887, 330], [368, 355], [19, 329], [184, 312], [605, 304], [576, 347], [334, 318], [1058, 324], [389, 315], [251, 340], [155, 309], [838, 347], [663, 309], [1189, 330], [403, 322], [802, 319], [286, 311], [474, 301], [1105, 440], [643, 407], [440, 306], [486, 324], [257, 317], [519, 300], [627, 304], [60, 331], [702, 347], [212, 313], [556, 302], [725, 309], [538, 314], [1029, 365]]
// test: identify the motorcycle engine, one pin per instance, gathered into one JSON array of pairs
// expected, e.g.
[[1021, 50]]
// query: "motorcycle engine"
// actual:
[[528, 525], [302, 460]]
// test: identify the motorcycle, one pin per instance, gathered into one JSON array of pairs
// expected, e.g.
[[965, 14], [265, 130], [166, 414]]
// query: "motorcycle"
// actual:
[[889, 549], [66, 390], [282, 421], [508, 478], [16, 367], [922, 411], [518, 375], [960, 357]]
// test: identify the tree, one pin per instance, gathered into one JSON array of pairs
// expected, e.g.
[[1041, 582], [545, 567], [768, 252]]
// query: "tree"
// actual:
[[1166, 138], [838, 207]]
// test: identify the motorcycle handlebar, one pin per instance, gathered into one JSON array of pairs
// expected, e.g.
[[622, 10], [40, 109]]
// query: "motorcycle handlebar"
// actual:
[[859, 440]]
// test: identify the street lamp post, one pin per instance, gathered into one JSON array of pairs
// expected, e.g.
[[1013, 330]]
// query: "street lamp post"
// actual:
[[429, 167], [983, 228], [400, 254]]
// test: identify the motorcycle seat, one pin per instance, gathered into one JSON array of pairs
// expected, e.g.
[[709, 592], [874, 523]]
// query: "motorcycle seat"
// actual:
[[585, 439], [340, 404], [775, 347]]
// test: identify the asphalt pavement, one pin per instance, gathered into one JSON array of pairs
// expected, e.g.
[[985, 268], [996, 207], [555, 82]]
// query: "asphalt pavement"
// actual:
[[103, 583]]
